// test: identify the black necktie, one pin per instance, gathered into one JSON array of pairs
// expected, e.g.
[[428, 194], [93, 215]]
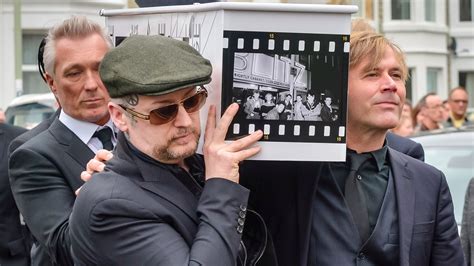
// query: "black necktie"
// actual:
[[355, 197], [105, 136]]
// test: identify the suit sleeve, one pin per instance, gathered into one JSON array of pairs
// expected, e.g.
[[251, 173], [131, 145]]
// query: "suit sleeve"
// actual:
[[44, 199], [466, 223], [124, 231], [447, 248]]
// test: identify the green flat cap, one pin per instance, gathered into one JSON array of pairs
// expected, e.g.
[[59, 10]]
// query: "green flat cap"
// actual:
[[153, 65]]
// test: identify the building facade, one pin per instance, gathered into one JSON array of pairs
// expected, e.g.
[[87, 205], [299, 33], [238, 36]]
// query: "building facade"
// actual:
[[436, 35]]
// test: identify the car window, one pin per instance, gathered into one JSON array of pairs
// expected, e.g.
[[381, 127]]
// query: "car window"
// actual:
[[28, 115], [457, 165]]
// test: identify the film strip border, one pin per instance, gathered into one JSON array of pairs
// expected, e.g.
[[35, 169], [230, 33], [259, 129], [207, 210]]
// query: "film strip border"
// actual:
[[286, 43], [291, 130], [263, 42]]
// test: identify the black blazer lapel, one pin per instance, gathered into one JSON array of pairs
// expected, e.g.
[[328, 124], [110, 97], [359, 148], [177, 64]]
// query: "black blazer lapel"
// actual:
[[157, 181], [165, 185], [73, 146], [405, 202]]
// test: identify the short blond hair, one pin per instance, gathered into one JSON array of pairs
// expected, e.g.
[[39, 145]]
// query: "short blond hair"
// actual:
[[72, 28], [368, 44]]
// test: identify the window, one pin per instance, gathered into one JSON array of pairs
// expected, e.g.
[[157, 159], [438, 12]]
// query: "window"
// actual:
[[430, 10], [366, 8], [432, 75], [466, 10], [466, 80], [32, 81], [400, 9]]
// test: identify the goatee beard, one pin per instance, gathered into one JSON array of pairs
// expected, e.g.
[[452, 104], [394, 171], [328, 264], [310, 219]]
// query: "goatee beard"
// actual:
[[165, 152]]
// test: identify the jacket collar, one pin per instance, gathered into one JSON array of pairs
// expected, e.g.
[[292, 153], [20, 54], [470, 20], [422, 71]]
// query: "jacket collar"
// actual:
[[71, 143], [155, 178]]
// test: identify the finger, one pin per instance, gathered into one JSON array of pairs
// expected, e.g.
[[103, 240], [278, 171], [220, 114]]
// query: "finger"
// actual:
[[210, 124], [245, 142], [95, 166], [78, 190], [225, 121], [85, 176], [247, 153], [103, 155]]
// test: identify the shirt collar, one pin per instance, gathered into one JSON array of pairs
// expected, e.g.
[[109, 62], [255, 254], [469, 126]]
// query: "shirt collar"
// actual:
[[82, 129], [379, 155]]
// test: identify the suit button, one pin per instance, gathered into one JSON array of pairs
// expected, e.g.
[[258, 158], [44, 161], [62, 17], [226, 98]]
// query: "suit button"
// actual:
[[240, 229], [243, 207], [361, 256], [240, 221], [242, 214]]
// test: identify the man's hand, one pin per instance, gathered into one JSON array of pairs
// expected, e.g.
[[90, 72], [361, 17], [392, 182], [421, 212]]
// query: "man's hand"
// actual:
[[96, 164], [222, 159]]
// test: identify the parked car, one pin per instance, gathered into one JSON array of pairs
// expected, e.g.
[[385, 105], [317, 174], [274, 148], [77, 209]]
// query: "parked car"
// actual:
[[452, 151], [29, 110]]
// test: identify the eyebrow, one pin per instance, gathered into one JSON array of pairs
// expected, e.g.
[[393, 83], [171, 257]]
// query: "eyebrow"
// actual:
[[170, 101]]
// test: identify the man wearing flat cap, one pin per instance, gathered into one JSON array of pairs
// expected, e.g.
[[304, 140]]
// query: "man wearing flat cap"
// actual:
[[156, 203]]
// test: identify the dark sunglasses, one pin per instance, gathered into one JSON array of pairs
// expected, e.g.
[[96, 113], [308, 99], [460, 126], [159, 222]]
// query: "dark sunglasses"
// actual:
[[167, 113]]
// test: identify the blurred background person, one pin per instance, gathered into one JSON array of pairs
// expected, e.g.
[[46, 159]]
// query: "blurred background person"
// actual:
[[446, 112], [416, 116], [2, 116], [407, 109], [405, 126], [458, 103], [431, 107]]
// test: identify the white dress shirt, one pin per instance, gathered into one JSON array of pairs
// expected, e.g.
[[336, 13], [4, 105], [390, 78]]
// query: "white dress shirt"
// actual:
[[84, 130]]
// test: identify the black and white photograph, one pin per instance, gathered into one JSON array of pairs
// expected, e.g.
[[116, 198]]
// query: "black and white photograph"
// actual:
[[279, 87], [292, 86]]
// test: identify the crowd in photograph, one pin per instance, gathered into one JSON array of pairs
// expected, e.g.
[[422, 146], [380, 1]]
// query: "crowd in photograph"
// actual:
[[311, 106]]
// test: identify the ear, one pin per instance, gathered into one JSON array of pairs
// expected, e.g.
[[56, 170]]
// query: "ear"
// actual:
[[51, 83], [118, 116]]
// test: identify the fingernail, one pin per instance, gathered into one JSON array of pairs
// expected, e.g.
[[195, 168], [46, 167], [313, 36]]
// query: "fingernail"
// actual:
[[109, 156], [101, 167]]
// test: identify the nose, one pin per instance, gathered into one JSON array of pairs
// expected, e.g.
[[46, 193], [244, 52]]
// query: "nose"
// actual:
[[92, 80], [183, 119], [389, 83]]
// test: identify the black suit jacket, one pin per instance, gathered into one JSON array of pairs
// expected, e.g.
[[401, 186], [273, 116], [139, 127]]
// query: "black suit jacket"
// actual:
[[283, 192], [44, 174], [14, 247], [406, 146], [138, 213]]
